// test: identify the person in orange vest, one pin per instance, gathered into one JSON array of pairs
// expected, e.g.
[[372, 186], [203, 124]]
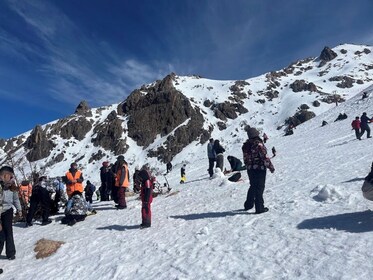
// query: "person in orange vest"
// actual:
[[25, 191], [74, 180], [121, 181]]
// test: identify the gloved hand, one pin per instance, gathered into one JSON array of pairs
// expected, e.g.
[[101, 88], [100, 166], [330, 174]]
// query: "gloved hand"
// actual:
[[272, 170]]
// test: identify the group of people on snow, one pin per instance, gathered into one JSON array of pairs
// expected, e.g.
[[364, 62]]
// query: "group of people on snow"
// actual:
[[360, 125]]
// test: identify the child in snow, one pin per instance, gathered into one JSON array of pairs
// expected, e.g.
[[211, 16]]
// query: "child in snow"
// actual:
[[182, 173], [77, 209], [89, 191]]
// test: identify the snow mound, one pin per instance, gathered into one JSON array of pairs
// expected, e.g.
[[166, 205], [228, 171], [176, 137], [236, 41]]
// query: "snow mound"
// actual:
[[328, 193]]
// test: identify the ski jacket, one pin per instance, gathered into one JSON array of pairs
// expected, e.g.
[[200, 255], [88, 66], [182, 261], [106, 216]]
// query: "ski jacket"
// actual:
[[71, 176], [122, 177], [77, 206], [364, 120], [25, 191], [89, 189], [355, 124], [211, 151], [218, 148], [255, 155], [11, 199], [235, 163]]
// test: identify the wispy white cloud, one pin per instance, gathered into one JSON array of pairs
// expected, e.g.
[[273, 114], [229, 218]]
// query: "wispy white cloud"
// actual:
[[78, 67]]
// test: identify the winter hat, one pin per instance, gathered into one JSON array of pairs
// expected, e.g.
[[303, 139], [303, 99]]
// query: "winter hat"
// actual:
[[73, 164], [6, 169], [252, 132], [120, 158]]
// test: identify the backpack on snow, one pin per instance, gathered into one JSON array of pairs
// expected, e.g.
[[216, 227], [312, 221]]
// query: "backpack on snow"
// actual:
[[235, 177]]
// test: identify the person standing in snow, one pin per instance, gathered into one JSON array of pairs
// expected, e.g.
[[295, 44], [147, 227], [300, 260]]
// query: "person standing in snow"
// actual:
[[265, 137], [121, 181], [183, 174], [168, 167], [74, 180], [356, 126], [40, 196], [219, 150], [146, 197], [364, 120], [257, 162], [89, 190], [211, 156]]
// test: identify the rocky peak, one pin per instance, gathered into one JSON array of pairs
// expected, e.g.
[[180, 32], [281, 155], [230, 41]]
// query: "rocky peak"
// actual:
[[39, 145], [83, 109], [327, 54]]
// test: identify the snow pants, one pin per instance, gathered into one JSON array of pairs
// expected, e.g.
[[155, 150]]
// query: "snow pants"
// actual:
[[365, 128], [146, 214], [121, 197], [211, 166], [255, 193], [7, 234]]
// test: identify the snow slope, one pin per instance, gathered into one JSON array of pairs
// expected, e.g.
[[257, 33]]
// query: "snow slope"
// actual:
[[319, 226]]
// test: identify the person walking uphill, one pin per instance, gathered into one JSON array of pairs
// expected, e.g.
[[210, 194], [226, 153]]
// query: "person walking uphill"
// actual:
[[121, 182], [364, 120], [356, 126], [212, 156], [219, 150], [74, 180], [146, 197], [257, 162]]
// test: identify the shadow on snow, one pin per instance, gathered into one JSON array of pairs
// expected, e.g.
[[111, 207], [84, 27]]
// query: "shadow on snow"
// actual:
[[119, 227], [211, 215], [355, 222], [354, 180]]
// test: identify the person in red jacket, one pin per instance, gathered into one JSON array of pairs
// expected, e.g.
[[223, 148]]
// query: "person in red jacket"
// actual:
[[146, 197], [356, 126]]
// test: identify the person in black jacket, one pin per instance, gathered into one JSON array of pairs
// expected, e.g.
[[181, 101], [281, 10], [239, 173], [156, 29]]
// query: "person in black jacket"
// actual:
[[236, 164], [364, 120], [219, 150], [107, 181], [40, 196]]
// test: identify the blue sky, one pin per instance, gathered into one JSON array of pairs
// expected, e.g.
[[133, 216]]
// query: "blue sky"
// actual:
[[53, 54]]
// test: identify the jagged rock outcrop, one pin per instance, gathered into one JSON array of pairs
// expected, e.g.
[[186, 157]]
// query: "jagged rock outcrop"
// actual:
[[83, 109], [38, 144], [2, 142], [159, 110], [109, 135], [327, 54], [333, 98], [302, 85], [237, 90], [76, 127]]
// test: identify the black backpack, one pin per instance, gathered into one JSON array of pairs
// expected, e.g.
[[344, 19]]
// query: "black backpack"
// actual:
[[235, 177]]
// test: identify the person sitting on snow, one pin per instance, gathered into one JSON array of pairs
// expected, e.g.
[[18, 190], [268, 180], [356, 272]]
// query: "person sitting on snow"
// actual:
[[77, 209], [236, 164]]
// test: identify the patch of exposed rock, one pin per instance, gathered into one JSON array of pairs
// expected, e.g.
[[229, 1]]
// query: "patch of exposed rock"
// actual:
[[76, 127], [300, 117], [227, 110], [159, 110], [237, 90], [302, 85], [327, 54], [38, 144], [344, 81], [83, 109], [109, 135], [332, 98]]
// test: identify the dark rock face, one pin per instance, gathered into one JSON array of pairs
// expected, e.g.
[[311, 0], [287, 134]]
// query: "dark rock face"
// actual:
[[333, 98], [207, 103], [228, 110], [345, 81], [97, 156], [237, 90], [59, 157], [316, 103], [109, 134], [327, 54], [2, 142], [38, 144], [301, 85], [83, 109], [221, 125], [300, 117], [343, 51], [77, 127], [159, 110], [304, 107]]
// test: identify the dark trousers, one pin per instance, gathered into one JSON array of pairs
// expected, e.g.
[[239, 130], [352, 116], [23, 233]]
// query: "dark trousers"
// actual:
[[146, 214], [357, 133], [88, 198], [122, 197], [365, 128], [255, 193], [7, 234], [211, 166], [104, 192], [42, 198]]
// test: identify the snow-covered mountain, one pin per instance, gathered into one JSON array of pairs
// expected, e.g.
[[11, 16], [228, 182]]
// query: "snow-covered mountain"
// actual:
[[168, 119], [319, 226]]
